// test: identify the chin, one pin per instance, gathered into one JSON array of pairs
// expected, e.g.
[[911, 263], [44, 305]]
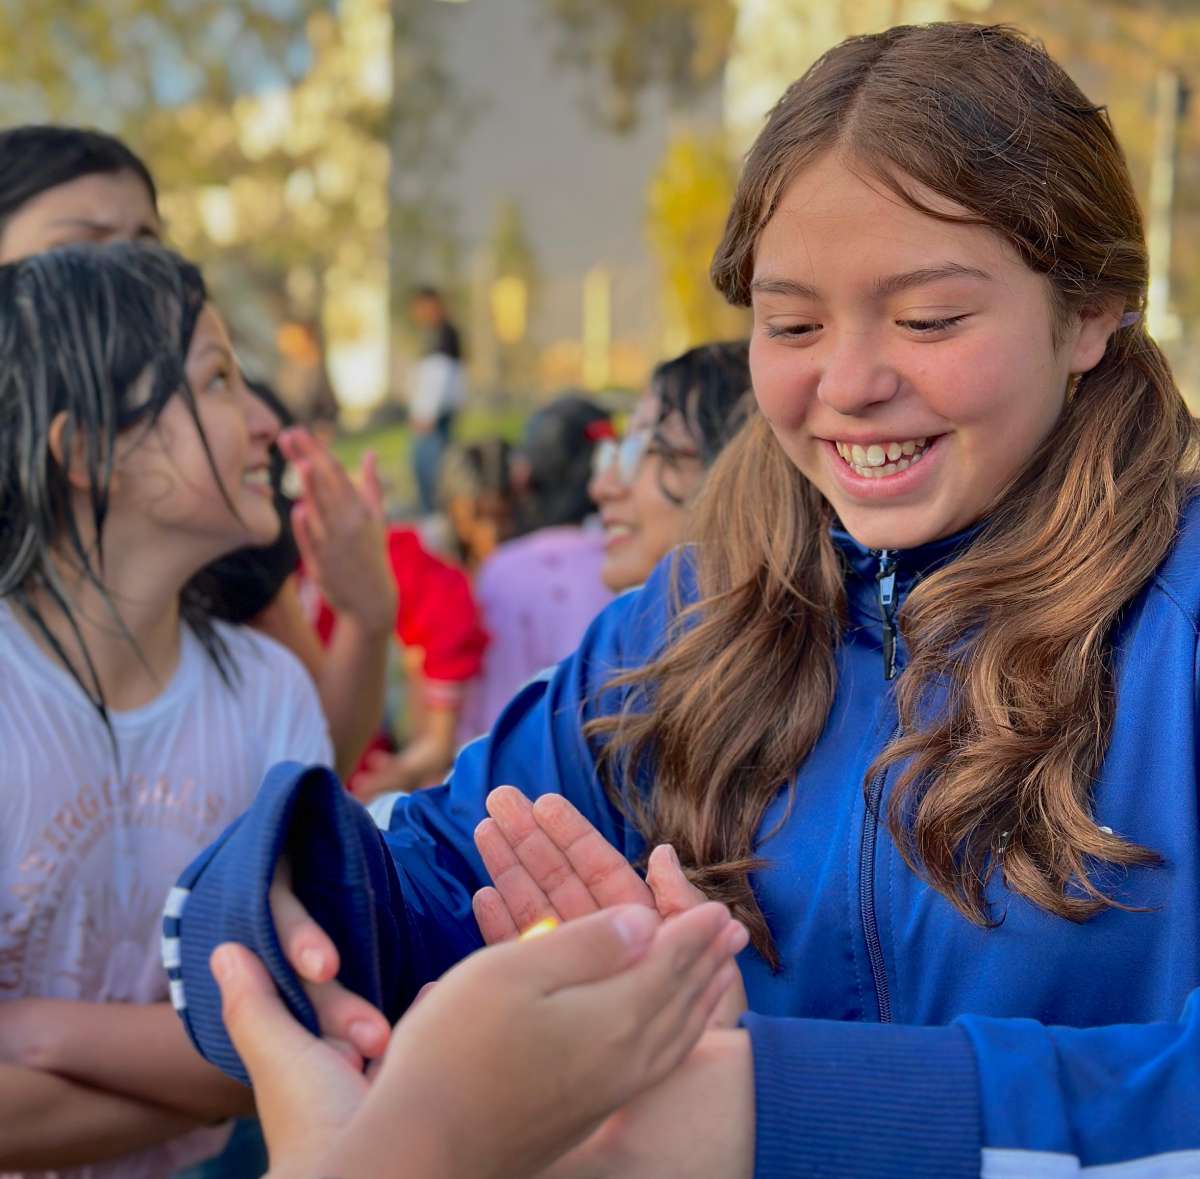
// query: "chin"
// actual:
[[898, 530]]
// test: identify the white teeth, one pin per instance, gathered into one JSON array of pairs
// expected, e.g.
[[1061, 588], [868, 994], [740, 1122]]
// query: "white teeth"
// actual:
[[259, 478], [880, 459]]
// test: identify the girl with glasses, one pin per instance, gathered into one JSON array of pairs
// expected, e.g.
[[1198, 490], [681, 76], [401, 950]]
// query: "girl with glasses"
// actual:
[[645, 482]]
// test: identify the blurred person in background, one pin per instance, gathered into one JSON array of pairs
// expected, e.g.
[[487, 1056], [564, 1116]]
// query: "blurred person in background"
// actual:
[[436, 393], [538, 591], [61, 185], [644, 484], [476, 494]]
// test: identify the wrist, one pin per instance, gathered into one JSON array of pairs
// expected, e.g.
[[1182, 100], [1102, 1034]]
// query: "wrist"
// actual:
[[374, 624]]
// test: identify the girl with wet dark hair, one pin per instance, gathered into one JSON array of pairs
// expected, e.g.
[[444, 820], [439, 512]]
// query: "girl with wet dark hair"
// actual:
[[62, 185], [135, 726]]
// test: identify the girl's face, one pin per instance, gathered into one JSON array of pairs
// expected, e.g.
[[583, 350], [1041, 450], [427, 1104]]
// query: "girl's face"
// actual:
[[102, 207], [645, 510], [907, 365], [164, 480]]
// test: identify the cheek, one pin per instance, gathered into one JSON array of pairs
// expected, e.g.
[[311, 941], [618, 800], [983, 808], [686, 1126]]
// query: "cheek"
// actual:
[[781, 378]]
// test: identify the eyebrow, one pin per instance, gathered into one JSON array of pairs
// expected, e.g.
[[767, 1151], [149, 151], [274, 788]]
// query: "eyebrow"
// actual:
[[893, 284]]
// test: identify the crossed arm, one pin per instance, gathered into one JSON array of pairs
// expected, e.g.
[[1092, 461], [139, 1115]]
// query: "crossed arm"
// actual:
[[80, 1082]]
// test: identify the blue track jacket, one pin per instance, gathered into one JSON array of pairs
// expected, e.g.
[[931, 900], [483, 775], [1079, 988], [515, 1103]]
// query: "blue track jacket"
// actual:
[[898, 1039]]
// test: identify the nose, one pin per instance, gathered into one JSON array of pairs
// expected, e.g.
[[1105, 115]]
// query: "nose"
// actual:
[[261, 421], [855, 377], [606, 485]]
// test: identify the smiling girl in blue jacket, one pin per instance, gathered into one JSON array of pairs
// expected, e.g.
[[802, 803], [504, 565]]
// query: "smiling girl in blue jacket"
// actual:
[[920, 704]]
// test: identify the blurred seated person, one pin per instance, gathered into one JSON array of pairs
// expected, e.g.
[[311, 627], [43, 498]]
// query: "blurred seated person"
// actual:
[[539, 590], [644, 484], [476, 493]]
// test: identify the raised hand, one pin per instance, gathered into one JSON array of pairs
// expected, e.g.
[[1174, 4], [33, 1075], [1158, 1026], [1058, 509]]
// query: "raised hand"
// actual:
[[341, 533], [547, 860]]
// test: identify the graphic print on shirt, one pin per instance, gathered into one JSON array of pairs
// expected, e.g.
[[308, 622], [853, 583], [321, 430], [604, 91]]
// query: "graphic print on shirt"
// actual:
[[77, 914]]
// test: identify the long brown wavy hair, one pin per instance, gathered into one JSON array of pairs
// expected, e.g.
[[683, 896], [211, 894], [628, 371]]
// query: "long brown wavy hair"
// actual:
[[1013, 639]]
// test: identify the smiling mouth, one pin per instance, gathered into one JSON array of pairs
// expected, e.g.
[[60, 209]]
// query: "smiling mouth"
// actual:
[[881, 459]]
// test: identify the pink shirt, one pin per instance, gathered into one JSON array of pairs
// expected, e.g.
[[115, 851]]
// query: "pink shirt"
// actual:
[[537, 594]]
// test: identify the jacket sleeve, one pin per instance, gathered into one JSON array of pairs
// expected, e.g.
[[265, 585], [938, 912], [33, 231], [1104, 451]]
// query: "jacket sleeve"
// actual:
[[397, 904], [983, 1098]]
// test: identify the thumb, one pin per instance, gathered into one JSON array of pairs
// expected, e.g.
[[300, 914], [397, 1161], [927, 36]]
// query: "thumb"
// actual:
[[673, 892], [260, 1026], [593, 948]]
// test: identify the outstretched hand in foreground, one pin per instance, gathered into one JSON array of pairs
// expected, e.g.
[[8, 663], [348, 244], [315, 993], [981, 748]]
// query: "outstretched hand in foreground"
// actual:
[[546, 860], [517, 1054]]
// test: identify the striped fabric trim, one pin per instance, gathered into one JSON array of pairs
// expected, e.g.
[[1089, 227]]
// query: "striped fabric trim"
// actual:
[[1038, 1164], [172, 948]]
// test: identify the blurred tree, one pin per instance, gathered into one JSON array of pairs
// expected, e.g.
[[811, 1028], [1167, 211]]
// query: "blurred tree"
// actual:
[[512, 297], [625, 47], [687, 202], [265, 123], [109, 64]]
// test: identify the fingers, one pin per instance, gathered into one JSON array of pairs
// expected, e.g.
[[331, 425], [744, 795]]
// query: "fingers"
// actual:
[[604, 871], [524, 900], [541, 857], [492, 915], [341, 1014], [673, 892], [370, 485], [257, 1021], [348, 1018], [306, 946], [585, 951], [326, 485], [686, 953]]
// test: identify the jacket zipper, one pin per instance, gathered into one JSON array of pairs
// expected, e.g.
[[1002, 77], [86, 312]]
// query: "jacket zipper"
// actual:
[[866, 893], [885, 592], [885, 586]]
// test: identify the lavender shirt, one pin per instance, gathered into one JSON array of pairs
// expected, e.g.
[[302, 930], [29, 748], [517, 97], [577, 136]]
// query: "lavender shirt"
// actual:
[[537, 595]]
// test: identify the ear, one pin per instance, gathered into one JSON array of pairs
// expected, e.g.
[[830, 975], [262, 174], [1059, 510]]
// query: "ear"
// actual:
[[74, 463], [1097, 322]]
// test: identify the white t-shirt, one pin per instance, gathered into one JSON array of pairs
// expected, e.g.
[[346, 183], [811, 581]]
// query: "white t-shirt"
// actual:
[[87, 853], [438, 386]]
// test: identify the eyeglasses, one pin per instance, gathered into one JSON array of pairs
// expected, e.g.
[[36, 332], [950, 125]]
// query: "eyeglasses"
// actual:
[[628, 452]]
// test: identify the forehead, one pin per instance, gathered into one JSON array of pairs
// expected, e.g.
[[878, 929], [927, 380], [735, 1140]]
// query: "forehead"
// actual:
[[210, 334], [107, 198], [836, 222]]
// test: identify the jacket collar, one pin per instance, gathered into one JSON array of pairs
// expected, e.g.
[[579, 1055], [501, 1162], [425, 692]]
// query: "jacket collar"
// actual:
[[893, 571]]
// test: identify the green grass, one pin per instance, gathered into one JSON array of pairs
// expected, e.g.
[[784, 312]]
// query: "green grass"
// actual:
[[391, 445]]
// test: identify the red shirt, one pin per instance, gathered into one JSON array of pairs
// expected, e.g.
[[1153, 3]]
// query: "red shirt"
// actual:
[[436, 614]]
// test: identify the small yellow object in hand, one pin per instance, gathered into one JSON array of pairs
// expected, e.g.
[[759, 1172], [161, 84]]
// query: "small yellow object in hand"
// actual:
[[540, 928]]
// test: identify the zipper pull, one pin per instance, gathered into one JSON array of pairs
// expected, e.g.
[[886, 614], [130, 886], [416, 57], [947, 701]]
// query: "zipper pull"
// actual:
[[885, 590]]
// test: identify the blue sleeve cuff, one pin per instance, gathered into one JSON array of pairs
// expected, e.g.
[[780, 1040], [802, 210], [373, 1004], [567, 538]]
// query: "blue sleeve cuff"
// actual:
[[341, 873], [863, 1101]]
